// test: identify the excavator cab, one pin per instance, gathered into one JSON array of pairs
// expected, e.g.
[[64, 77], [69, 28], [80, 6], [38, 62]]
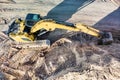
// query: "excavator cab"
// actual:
[[31, 19]]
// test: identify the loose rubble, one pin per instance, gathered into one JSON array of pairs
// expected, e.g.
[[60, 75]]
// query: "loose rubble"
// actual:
[[65, 58]]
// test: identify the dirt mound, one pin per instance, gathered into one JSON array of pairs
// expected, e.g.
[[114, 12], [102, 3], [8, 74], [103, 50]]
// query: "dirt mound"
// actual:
[[90, 61], [66, 57]]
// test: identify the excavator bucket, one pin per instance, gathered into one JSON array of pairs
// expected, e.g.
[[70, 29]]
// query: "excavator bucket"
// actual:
[[106, 38]]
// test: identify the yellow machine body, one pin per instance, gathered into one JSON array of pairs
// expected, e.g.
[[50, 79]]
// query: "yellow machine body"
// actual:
[[20, 35], [50, 25]]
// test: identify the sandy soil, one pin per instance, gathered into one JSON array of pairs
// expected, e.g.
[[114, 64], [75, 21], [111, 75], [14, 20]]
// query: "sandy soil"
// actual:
[[73, 58], [96, 13]]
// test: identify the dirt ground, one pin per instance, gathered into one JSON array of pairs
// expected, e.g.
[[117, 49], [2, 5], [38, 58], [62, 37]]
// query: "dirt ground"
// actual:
[[74, 57]]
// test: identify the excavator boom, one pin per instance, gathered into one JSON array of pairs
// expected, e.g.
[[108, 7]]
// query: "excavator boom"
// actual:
[[50, 25]]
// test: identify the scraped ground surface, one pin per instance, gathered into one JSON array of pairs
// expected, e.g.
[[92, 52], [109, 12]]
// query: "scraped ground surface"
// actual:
[[75, 57]]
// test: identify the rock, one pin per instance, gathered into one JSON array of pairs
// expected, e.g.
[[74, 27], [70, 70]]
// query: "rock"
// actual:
[[2, 76]]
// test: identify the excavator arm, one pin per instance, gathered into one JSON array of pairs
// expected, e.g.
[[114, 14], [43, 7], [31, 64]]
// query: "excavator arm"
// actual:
[[50, 25]]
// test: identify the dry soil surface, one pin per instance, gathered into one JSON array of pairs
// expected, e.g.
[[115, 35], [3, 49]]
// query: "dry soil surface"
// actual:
[[75, 57]]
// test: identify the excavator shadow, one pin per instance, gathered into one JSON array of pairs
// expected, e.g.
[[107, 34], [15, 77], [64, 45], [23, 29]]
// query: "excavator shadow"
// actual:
[[67, 8], [63, 12], [112, 21]]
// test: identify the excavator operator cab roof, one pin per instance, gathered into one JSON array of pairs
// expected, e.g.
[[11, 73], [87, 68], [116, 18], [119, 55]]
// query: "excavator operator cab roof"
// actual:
[[31, 19]]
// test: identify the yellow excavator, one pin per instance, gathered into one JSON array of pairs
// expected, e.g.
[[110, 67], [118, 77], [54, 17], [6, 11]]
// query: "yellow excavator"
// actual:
[[27, 30]]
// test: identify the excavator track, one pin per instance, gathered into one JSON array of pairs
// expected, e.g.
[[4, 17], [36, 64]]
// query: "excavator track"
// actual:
[[36, 45]]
